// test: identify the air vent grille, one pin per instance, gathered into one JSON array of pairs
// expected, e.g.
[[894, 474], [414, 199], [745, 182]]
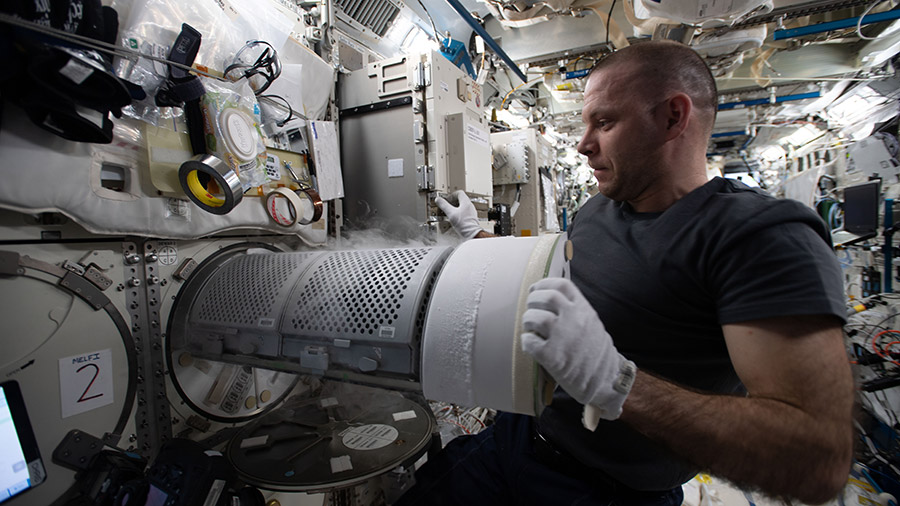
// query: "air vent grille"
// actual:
[[375, 15]]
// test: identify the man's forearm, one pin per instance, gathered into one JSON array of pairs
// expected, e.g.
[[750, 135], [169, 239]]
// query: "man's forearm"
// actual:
[[754, 442]]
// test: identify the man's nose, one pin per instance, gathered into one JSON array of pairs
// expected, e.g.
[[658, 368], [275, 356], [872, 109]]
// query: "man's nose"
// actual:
[[585, 146]]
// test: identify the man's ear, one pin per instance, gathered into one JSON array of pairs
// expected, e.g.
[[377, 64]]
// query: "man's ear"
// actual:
[[676, 113]]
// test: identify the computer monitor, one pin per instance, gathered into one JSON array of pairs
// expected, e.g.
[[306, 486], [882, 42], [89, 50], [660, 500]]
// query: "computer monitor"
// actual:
[[861, 208], [21, 467]]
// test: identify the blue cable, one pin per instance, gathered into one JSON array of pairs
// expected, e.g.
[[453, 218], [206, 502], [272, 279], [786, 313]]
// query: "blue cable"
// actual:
[[875, 485]]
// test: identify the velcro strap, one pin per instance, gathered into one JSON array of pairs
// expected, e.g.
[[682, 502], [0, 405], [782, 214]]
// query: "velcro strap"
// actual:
[[192, 89]]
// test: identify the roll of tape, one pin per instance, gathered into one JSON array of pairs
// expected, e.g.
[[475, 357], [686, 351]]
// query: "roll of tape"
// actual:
[[288, 196], [317, 205], [297, 212], [189, 174]]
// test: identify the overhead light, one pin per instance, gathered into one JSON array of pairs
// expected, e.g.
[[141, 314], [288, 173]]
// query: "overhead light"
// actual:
[[399, 30], [772, 153], [418, 42], [801, 136], [854, 107], [410, 37]]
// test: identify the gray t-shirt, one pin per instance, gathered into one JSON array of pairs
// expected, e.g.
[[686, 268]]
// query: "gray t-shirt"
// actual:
[[664, 283]]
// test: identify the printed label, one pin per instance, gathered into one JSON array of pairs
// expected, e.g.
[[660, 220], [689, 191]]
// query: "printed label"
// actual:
[[369, 437], [76, 71], [228, 9], [477, 135]]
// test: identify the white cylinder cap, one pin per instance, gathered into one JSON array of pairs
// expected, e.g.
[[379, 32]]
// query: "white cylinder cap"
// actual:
[[471, 347], [239, 134]]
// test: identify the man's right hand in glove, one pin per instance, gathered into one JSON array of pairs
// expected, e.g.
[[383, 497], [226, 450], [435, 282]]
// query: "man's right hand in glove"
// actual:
[[463, 217]]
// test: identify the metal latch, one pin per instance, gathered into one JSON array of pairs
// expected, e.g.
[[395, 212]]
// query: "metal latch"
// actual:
[[418, 132], [425, 177], [421, 76]]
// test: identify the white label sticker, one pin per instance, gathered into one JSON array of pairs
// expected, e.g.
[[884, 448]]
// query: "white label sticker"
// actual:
[[445, 87], [404, 415], [339, 464], [369, 437], [475, 134], [328, 401], [85, 382], [36, 472], [228, 9], [255, 442], [76, 71], [395, 167], [95, 117], [214, 492]]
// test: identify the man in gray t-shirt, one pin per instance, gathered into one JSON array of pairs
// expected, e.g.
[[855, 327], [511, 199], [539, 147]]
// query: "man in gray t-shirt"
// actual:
[[701, 329]]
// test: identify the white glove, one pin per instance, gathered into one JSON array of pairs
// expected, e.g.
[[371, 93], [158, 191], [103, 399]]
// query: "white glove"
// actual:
[[565, 335], [464, 217]]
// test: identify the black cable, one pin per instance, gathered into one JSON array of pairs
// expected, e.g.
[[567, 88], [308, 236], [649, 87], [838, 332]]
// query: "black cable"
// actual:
[[608, 19], [273, 99]]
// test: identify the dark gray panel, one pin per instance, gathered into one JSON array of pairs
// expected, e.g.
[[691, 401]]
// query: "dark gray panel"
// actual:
[[368, 142]]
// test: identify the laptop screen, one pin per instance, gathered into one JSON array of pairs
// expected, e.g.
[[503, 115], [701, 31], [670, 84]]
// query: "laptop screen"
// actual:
[[861, 207], [20, 461]]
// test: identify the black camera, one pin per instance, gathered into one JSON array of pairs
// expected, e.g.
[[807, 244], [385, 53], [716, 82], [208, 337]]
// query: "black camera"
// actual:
[[184, 473]]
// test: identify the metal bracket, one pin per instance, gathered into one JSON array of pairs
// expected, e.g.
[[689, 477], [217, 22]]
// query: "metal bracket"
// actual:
[[77, 450], [377, 106], [390, 72], [152, 419], [9, 264], [422, 177], [96, 276], [429, 177], [84, 289], [418, 131]]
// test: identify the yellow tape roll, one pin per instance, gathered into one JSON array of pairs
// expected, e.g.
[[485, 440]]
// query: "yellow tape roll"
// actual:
[[218, 171]]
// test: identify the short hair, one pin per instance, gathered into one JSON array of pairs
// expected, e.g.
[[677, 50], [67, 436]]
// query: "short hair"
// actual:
[[669, 66]]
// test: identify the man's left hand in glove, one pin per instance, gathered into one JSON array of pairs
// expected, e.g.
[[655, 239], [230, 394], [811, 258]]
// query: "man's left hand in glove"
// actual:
[[564, 334]]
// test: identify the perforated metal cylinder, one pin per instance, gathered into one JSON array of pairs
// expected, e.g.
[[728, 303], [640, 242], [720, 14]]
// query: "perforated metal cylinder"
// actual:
[[360, 311], [250, 290], [370, 294], [445, 321]]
